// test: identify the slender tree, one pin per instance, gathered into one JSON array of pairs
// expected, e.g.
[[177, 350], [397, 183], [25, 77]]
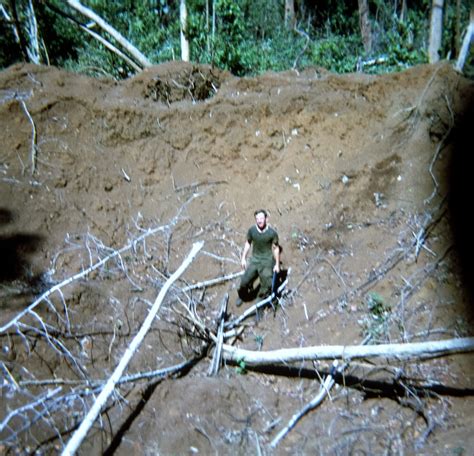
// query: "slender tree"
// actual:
[[32, 32], [365, 27], [403, 11], [25, 28], [183, 18], [290, 18], [436, 30], [466, 44]]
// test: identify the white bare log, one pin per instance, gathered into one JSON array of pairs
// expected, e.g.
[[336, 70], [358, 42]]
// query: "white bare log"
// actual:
[[466, 43], [111, 31], [291, 355], [108, 389]]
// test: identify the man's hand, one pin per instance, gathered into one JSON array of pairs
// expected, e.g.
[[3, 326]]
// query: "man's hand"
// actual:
[[276, 268], [243, 263]]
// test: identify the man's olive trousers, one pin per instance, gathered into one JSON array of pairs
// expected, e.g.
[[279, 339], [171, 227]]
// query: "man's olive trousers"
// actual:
[[262, 269]]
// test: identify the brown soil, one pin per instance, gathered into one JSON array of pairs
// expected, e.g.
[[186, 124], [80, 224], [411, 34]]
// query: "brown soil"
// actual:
[[351, 169]]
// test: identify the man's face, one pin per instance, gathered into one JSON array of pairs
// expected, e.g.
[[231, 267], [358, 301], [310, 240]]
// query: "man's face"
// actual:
[[261, 220]]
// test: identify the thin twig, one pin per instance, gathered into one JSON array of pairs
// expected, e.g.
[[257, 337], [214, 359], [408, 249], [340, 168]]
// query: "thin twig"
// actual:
[[33, 136], [439, 147], [323, 391]]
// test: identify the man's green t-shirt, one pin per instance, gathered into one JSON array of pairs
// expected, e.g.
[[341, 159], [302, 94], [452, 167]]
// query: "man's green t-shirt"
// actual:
[[262, 242]]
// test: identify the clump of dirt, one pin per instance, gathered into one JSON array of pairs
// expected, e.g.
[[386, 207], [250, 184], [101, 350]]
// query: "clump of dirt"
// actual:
[[194, 84], [104, 188]]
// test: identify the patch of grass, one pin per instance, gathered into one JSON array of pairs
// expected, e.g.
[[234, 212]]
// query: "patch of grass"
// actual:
[[376, 322], [241, 369]]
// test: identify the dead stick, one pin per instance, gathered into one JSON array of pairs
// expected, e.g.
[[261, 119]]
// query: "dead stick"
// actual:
[[323, 391], [33, 136], [108, 389], [211, 282], [216, 360]]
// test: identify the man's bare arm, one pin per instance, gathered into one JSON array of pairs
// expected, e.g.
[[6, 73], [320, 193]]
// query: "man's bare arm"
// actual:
[[243, 261], [276, 255]]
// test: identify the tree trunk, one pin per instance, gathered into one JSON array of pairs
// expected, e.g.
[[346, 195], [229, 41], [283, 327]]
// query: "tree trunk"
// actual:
[[466, 44], [183, 18], [365, 28], [213, 21], [436, 30], [403, 11], [290, 18], [25, 29], [458, 28], [32, 32], [134, 52], [208, 38], [291, 355]]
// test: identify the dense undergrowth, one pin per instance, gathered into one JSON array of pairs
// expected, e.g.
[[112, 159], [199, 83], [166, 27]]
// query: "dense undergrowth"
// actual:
[[248, 37]]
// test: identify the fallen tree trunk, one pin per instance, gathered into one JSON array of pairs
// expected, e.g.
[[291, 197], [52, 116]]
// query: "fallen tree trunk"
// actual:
[[108, 389], [291, 355]]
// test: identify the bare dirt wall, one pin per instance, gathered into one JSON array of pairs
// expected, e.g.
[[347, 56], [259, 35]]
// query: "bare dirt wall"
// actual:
[[365, 179]]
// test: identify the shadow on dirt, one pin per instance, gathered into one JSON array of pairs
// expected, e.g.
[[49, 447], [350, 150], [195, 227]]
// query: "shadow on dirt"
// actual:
[[140, 406], [390, 387], [14, 252], [460, 199]]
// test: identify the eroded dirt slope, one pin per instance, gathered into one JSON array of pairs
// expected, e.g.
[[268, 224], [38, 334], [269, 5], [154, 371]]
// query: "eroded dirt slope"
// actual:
[[366, 181]]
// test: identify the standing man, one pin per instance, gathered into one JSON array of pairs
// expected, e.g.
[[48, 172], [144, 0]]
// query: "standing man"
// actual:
[[264, 261]]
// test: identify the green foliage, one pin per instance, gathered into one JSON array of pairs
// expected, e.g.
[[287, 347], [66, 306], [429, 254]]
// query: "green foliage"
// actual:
[[401, 42], [272, 54], [376, 323], [61, 39], [249, 37], [337, 53], [241, 367], [377, 306], [10, 51], [259, 341]]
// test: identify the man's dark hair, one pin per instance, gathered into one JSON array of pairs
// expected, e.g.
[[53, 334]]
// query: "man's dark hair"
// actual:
[[260, 211]]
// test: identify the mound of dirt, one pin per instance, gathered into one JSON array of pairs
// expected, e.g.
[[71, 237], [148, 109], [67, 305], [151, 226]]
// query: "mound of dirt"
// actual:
[[109, 184]]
